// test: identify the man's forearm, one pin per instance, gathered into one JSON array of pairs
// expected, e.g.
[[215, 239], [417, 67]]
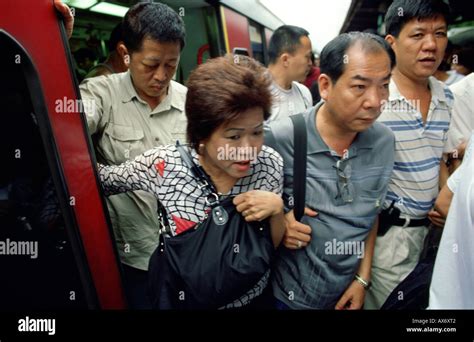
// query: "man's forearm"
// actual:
[[366, 263], [443, 173], [444, 201]]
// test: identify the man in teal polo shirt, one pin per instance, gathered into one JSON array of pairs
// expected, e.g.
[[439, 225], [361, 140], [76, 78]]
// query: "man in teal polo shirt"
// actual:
[[326, 259]]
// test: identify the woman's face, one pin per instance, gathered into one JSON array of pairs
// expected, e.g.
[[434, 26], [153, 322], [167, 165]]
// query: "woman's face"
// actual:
[[233, 146]]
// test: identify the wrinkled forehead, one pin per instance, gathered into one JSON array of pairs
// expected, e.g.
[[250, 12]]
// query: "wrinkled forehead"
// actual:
[[363, 63], [435, 22]]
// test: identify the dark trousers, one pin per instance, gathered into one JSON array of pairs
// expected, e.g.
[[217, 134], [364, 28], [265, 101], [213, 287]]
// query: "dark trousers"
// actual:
[[279, 305], [136, 287]]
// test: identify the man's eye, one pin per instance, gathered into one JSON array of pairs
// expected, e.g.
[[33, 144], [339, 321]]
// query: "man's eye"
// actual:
[[441, 34], [150, 65], [234, 137], [359, 87], [257, 133], [417, 35]]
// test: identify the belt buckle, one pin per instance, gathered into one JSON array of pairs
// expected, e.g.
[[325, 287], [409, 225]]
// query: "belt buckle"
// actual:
[[407, 222]]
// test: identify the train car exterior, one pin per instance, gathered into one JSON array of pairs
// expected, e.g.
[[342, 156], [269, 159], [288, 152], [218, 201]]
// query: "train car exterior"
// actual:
[[56, 247], [56, 242]]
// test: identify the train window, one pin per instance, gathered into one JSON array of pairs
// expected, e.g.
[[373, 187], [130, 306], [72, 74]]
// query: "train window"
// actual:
[[240, 51], [256, 40], [36, 259]]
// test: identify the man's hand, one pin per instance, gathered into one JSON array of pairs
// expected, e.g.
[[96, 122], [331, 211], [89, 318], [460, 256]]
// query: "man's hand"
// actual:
[[297, 234], [436, 218], [67, 16], [460, 149], [353, 297]]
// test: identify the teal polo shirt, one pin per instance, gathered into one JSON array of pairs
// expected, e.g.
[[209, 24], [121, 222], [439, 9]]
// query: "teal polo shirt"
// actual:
[[348, 193]]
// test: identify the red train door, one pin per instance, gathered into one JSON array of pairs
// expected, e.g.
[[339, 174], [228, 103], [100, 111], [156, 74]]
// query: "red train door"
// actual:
[[56, 245]]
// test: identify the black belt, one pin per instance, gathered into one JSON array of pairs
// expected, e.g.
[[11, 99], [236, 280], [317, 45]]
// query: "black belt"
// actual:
[[407, 222], [391, 217]]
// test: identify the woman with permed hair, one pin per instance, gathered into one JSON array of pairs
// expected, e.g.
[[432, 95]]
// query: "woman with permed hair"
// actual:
[[227, 102]]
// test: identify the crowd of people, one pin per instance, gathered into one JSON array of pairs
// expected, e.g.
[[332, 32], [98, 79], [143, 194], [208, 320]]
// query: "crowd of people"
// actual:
[[388, 156]]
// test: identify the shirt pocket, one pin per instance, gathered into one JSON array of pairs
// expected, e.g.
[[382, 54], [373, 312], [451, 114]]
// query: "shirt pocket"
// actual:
[[124, 142], [371, 200], [179, 129]]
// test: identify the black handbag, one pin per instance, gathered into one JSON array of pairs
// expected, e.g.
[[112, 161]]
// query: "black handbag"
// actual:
[[212, 264]]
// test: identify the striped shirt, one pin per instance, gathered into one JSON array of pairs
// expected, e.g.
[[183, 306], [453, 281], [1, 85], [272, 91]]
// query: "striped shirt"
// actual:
[[418, 148]]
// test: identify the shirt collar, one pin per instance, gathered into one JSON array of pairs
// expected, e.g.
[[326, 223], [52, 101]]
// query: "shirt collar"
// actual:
[[172, 99], [177, 101], [316, 144], [437, 91], [128, 92]]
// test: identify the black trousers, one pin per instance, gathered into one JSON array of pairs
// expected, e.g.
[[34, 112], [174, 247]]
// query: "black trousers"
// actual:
[[136, 288]]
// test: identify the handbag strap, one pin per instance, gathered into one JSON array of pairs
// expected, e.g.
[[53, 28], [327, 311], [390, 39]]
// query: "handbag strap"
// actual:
[[299, 164], [202, 178], [196, 170]]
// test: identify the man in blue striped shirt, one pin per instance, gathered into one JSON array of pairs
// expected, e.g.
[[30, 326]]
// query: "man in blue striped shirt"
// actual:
[[418, 112]]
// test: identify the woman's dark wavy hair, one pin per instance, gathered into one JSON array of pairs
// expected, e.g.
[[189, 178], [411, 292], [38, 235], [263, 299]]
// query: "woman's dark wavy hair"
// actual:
[[220, 90]]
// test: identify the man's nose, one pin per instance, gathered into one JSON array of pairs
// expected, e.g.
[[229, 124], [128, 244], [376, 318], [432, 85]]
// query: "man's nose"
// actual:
[[429, 42], [374, 98], [160, 74]]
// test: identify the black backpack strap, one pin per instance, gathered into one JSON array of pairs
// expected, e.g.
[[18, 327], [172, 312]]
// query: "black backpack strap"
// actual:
[[300, 142]]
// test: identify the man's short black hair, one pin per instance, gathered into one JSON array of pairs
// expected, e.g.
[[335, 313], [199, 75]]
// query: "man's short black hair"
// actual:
[[152, 20], [286, 39], [333, 61], [401, 12], [115, 37]]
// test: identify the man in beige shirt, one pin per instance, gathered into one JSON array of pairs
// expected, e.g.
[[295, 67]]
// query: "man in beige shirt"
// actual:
[[131, 112]]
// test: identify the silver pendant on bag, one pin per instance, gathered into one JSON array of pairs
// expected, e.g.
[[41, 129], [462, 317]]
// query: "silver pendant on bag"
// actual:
[[219, 215]]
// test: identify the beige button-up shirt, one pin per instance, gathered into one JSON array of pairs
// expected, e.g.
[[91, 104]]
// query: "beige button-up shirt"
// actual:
[[123, 126]]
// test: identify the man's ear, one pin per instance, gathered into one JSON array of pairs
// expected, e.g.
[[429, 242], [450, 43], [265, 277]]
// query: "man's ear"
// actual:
[[390, 39], [123, 53], [325, 84], [285, 59]]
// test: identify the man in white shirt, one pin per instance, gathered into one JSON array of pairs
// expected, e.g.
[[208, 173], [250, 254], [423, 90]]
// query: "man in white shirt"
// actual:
[[289, 55], [462, 121], [453, 275]]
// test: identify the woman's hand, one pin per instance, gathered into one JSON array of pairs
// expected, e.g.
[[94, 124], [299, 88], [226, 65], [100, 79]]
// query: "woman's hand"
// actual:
[[257, 205]]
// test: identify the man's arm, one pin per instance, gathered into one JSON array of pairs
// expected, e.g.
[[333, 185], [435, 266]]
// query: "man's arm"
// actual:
[[457, 156], [443, 201], [443, 173], [437, 217], [353, 297]]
